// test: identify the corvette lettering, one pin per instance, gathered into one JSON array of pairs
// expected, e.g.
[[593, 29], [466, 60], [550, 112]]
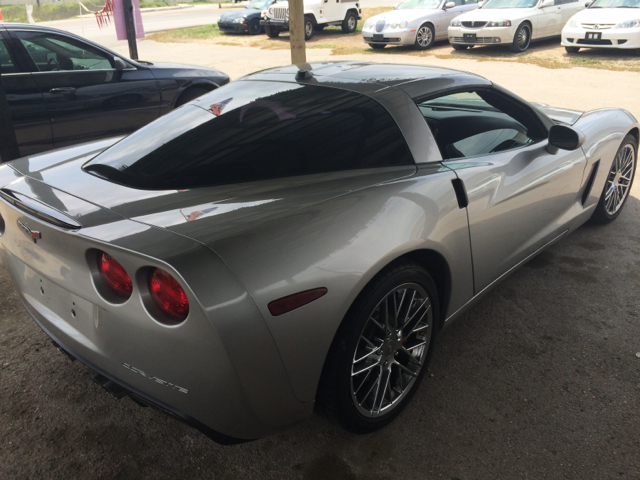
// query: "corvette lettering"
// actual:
[[155, 379]]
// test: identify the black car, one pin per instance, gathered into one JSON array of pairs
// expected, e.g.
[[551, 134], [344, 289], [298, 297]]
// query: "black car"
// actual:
[[63, 89], [246, 20]]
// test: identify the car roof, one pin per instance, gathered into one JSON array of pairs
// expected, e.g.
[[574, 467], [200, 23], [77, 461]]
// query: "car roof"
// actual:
[[369, 73]]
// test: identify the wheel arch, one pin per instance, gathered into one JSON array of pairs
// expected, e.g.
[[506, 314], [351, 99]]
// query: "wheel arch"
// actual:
[[636, 133]]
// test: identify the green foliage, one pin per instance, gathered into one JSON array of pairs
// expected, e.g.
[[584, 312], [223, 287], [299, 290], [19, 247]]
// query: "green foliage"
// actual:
[[42, 13]]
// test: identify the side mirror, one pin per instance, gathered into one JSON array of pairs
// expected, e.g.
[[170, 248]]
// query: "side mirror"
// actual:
[[119, 64], [449, 5], [562, 137], [480, 4], [547, 3], [587, 4]]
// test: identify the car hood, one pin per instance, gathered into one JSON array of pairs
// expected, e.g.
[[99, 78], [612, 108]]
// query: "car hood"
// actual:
[[204, 214], [400, 15], [495, 14], [606, 15], [245, 12]]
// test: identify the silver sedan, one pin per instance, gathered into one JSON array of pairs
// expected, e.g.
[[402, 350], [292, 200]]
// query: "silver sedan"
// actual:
[[299, 237]]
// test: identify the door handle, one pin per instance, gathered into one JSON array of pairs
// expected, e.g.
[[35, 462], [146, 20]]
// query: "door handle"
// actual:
[[63, 91]]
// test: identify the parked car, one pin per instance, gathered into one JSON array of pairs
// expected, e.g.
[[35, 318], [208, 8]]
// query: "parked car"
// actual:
[[514, 23], [299, 236], [414, 22], [63, 89], [246, 20], [605, 24], [317, 15]]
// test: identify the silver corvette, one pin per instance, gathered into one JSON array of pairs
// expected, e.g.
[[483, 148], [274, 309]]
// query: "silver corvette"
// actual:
[[300, 236]]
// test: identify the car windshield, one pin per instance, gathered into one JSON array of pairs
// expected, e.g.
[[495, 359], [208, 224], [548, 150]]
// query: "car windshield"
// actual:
[[250, 131], [616, 4], [419, 4], [510, 4], [259, 4]]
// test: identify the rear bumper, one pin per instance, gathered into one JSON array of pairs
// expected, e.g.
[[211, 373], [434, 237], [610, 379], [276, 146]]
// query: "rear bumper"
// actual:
[[137, 395]]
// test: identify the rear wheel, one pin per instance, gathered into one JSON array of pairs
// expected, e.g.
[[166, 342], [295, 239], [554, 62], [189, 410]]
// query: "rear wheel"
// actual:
[[424, 37], [377, 46], [350, 23], [380, 352], [572, 49], [309, 25], [619, 182], [459, 47], [522, 39], [272, 32]]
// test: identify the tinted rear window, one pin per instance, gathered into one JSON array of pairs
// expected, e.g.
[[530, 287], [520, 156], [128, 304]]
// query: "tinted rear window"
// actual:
[[251, 131]]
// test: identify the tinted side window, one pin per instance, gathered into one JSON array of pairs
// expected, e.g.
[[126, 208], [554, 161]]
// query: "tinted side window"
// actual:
[[6, 62], [52, 53], [470, 124], [254, 131]]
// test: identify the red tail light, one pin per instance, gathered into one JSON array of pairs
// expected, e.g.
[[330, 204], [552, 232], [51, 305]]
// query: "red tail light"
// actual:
[[168, 294], [115, 275]]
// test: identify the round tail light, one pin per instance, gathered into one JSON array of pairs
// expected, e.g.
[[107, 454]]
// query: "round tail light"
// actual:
[[114, 275], [168, 294]]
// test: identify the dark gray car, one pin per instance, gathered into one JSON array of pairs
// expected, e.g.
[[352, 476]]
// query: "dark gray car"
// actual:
[[63, 89]]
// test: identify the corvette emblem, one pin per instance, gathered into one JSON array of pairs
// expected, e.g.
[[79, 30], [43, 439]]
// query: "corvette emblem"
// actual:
[[32, 234]]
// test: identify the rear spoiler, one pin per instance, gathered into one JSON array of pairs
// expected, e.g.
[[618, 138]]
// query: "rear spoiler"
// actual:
[[39, 209]]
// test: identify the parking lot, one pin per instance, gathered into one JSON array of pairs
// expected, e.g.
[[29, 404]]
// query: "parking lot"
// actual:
[[541, 379]]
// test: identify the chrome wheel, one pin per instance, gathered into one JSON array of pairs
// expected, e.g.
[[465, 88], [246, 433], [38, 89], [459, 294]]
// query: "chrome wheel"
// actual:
[[351, 23], [424, 36], [523, 38], [619, 179], [308, 29], [392, 350]]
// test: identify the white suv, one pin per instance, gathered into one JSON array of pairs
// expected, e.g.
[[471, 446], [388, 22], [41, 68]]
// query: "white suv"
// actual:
[[317, 15]]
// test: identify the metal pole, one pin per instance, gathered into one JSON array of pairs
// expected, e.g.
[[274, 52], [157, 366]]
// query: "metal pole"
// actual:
[[130, 26], [8, 144], [296, 31]]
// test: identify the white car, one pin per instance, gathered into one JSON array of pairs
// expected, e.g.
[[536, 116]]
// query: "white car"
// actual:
[[605, 24], [414, 22], [512, 22]]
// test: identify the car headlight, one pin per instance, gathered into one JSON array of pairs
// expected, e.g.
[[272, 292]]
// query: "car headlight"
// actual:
[[368, 25], [270, 11], [456, 23], [238, 20], [628, 24], [403, 24], [499, 23], [573, 23]]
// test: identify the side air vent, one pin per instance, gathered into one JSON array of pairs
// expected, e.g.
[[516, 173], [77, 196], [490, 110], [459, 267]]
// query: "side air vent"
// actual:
[[590, 180], [39, 209]]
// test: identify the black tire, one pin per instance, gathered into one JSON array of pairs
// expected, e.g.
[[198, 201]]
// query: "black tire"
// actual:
[[338, 395], [377, 46], [191, 94], [309, 27], [425, 36], [254, 27], [619, 182], [272, 32], [459, 47], [572, 49], [522, 39], [350, 22]]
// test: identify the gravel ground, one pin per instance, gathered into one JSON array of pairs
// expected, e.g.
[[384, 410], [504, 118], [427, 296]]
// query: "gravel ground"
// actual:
[[539, 380]]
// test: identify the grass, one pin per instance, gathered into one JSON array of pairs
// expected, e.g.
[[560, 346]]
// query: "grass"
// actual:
[[187, 34]]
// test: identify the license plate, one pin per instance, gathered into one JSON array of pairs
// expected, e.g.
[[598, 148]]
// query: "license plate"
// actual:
[[469, 37], [378, 37], [593, 36]]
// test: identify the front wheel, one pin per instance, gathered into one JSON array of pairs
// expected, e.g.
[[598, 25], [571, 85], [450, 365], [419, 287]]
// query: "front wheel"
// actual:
[[459, 47], [522, 39], [309, 25], [380, 352], [424, 37], [572, 49], [272, 32], [254, 27], [619, 182], [350, 23]]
